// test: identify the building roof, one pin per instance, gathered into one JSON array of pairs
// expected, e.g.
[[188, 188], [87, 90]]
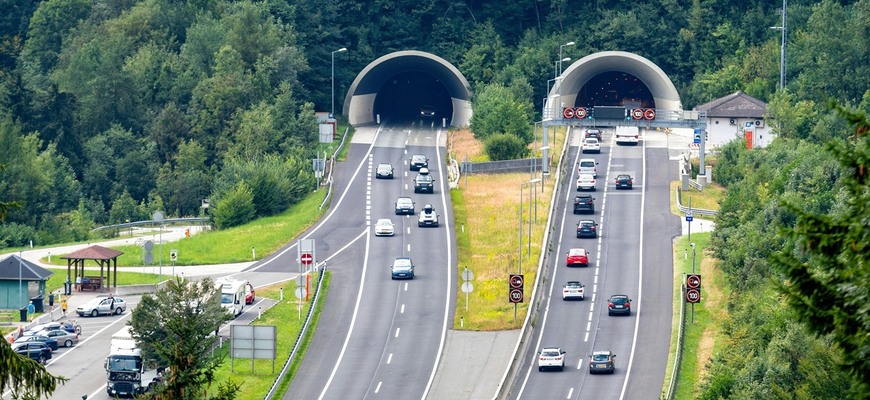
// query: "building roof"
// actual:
[[12, 264], [94, 252], [734, 105]]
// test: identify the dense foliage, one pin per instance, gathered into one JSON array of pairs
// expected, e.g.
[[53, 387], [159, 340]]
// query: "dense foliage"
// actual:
[[111, 109]]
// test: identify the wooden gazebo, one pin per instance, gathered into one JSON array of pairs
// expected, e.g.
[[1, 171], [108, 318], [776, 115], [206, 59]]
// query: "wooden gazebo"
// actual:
[[107, 259]]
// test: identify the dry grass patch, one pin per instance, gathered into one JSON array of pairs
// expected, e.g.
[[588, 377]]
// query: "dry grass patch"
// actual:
[[464, 146]]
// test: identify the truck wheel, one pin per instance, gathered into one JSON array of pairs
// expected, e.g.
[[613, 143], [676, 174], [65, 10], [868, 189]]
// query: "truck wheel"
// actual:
[[94, 313]]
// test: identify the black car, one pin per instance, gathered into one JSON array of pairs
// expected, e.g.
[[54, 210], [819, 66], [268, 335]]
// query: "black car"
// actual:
[[587, 228], [423, 183], [384, 171], [37, 351], [596, 133], [619, 304], [584, 204], [50, 342], [624, 181], [419, 161], [427, 111], [601, 362], [404, 206]]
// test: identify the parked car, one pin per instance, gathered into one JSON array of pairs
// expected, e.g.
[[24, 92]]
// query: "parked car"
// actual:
[[590, 145], [587, 228], [577, 258], [601, 362], [428, 217], [584, 204], [102, 306], [619, 304], [573, 290], [418, 161], [37, 338], [588, 166], [596, 133], [624, 181], [384, 171], [63, 338], [551, 357], [384, 227], [37, 351], [404, 205], [585, 182], [402, 268]]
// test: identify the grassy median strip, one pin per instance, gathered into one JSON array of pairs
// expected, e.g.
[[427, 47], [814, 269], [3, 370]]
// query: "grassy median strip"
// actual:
[[487, 224]]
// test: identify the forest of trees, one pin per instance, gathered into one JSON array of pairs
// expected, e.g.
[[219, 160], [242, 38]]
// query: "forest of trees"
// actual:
[[112, 109]]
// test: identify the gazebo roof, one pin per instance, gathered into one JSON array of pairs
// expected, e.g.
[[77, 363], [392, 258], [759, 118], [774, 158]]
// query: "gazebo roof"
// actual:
[[735, 105], [12, 264], [94, 252]]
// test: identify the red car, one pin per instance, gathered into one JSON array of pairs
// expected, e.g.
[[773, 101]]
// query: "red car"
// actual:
[[577, 258], [249, 293]]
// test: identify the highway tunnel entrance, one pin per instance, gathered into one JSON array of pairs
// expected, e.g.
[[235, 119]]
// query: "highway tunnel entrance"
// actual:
[[399, 86]]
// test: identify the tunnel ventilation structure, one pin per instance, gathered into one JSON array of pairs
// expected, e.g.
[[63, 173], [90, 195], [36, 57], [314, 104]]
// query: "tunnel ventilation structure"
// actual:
[[406, 86]]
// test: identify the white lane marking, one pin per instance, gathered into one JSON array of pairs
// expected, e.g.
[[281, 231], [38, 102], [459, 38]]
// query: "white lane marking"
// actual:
[[362, 285], [409, 247], [397, 331], [379, 386], [402, 310], [390, 358], [406, 286], [409, 229], [639, 284], [336, 207], [571, 391]]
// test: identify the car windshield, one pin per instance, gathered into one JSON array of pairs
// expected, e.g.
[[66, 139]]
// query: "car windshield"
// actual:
[[404, 201], [551, 353], [424, 178], [384, 223], [592, 141], [587, 164], [384, 167], [418, 159], [599, 357], [618, 300], [227, 298], [572, 284], [116, 363]]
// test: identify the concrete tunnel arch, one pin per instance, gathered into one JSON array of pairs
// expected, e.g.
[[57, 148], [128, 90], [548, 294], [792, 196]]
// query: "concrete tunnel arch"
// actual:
[[414, 78], [657, 84]]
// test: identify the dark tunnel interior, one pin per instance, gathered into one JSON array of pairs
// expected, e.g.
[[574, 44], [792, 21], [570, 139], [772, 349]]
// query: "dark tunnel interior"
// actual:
[[402, 97], [614, 88]]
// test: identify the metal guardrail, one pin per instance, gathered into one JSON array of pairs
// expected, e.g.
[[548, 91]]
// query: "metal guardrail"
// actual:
[[151, 222], [697, 211], [315, 297], [678, 356], [332, 168]]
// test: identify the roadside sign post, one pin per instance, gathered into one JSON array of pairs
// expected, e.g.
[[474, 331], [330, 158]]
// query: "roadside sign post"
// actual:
[[515, 291], [467, 286], [689, 218]]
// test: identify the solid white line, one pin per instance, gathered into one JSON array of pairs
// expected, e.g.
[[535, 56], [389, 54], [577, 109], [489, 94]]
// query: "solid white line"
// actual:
[[362, 284], [639, 284], [449, 271]]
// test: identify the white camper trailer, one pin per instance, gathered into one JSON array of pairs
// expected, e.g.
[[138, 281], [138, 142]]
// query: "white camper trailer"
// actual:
[[233, 295]]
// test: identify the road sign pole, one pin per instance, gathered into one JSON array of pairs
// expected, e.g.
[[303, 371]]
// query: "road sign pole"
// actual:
[[690, 222]]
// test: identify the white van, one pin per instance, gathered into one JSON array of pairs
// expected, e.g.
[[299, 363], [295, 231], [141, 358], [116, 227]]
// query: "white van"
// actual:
[[233, 295], [588, 166], [627, 135]]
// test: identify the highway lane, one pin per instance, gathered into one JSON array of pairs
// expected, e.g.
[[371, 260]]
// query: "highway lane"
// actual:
[[382, 338], [615, 267]]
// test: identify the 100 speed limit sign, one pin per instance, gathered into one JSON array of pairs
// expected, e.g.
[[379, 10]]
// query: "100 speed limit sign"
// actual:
[[516, 295]]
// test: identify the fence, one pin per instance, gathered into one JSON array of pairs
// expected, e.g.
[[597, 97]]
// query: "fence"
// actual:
[[678, 356], [699, 211]]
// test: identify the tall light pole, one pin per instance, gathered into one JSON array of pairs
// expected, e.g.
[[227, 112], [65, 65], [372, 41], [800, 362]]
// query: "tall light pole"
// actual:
[[560, 54], [332, 112], [559, 82], [782, 44]]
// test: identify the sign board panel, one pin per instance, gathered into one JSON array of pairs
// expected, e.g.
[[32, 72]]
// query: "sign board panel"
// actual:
[[610, 112], [253, 341]]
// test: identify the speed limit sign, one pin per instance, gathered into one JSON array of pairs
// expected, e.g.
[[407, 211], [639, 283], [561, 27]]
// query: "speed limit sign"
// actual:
[[516, 295], [693, 296]]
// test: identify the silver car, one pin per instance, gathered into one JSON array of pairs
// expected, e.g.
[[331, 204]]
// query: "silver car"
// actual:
[[102, 306], [64, 338]]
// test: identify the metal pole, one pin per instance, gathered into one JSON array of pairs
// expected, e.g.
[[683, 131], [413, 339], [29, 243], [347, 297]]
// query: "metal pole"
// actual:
[[545, 139], [332, 112], [520, 257], [690, 222], [20, 287], [693, 258], [529, 254], [782, 47]]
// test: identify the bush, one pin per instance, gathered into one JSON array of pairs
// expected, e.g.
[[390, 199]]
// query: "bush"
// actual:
[[236, 208], [505, 146], [15, 235]]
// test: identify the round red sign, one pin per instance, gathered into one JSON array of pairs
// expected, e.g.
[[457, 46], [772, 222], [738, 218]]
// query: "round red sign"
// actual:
[[306, 258]]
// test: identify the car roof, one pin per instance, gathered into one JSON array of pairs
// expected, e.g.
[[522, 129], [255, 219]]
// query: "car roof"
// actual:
[[591, 138], [601, 353], [583, 196], [581, 176], [586, 221], [385, 164], [417, 156], [404, 198], [573, 283], [576, 251], [385, 221]]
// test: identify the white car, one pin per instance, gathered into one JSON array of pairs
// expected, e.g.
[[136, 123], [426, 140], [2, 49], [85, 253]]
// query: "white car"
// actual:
[[585, 182], [590, 145], [588, 166], [384, 227], [428, 217], [551, 357], [102, 306], [573, 290]]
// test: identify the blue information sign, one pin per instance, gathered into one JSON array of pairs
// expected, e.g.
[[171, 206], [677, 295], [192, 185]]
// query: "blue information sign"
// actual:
[[689, 218]]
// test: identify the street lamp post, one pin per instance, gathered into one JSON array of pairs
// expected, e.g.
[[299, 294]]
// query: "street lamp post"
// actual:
[[782, 44], [560, 54], [520, 256], [559, 82], [332, 112]]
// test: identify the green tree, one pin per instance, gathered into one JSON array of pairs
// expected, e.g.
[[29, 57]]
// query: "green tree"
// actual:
[[175, 328], [235, 208], [827, 275], [498, 110], [505, 146]]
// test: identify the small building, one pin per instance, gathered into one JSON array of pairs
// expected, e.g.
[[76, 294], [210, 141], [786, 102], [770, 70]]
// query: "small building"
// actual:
[[737, 116], [20, 281]]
